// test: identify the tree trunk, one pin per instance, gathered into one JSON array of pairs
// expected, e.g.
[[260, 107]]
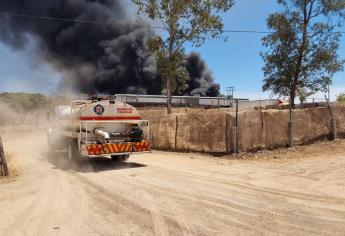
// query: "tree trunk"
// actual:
[[169, 95], [293, 96], [306, 20], [292, 106]]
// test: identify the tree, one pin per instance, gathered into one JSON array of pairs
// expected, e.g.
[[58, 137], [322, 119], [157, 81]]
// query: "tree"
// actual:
[[302, 55], [341, 97], [184, 21], [303, 95]]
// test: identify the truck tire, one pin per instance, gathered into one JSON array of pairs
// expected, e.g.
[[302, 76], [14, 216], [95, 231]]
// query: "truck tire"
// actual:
[[120, 157], [51, 151], [70, 152], [73, 152], [51, 147], [124, 157]]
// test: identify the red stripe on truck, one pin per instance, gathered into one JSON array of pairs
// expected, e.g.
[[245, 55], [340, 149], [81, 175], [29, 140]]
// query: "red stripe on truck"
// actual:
[[109, 118]]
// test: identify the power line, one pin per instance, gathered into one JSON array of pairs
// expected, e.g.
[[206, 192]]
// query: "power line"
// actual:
[[111, 23], [73, 20], [122, 24]]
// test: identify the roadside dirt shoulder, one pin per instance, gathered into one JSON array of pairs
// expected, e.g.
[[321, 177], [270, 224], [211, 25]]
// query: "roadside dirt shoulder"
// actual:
[[317, 149]]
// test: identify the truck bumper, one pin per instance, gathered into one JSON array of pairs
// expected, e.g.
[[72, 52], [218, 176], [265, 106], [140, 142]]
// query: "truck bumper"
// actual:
[[110, 149], [109, 156]]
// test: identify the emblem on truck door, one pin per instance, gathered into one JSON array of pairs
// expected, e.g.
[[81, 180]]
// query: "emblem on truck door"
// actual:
[[98, 109]]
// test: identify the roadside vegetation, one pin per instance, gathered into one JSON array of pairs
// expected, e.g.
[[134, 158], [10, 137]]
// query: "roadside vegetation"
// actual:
[[23, 107], [302, 52], [341, 97]]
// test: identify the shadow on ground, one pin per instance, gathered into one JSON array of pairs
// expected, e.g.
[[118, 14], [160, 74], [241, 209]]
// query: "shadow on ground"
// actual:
[[91, 165]]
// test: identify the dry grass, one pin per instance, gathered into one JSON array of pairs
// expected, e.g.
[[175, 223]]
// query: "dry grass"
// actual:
[[321, 148]]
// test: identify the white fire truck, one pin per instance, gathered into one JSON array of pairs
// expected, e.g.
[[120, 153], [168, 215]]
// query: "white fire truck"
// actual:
[[99, 127]]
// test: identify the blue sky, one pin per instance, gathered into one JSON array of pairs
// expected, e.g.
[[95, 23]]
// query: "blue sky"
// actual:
[[235, 62], [19, 71]]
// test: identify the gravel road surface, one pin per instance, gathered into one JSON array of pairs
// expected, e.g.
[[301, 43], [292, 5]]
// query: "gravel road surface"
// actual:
[[170, 194]]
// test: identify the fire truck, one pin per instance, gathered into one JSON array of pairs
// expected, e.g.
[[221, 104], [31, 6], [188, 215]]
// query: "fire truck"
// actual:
[[99, 127]]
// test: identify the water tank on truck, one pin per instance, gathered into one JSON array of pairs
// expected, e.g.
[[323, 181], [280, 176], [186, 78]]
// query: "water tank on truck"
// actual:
[[99, 128]]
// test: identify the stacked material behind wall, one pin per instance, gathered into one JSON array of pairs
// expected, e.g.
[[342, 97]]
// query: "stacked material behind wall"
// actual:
[[211, 130]]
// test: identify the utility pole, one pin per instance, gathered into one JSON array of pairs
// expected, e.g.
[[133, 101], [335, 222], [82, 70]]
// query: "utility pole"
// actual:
[[230, 94]]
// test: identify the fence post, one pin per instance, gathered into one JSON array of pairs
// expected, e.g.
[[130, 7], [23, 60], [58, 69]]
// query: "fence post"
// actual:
[[176, 128], [290, 127], [3, 163], [234, 140], [235, 132], [333, 121], [227, 133]]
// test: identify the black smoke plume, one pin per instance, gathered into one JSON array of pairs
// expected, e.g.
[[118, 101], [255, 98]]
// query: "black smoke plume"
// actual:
[[201, 79], [94, 58]]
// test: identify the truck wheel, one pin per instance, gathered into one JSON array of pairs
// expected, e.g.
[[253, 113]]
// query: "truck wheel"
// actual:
[[120, 158], [70, 152], [51, 150], [124, 157], [73, 152], [51, 147]]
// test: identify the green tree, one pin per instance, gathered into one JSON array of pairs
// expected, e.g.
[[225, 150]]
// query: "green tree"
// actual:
[[302, 50], [341, 97], [184, 21]]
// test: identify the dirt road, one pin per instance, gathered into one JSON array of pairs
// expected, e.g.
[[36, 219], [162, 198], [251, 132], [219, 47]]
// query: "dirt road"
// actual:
[[171, 194]]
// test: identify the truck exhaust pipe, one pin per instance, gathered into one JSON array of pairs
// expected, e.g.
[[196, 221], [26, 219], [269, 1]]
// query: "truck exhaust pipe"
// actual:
[[102, 133]]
